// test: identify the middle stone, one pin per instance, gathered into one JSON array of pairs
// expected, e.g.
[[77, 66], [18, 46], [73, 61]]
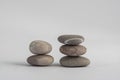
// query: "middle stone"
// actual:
[[73, 50]]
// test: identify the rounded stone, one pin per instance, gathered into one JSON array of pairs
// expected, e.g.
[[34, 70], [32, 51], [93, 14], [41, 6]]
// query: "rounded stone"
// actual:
[[78, 61], [73, 50], [71, 39], [40, 60], [40, 47]]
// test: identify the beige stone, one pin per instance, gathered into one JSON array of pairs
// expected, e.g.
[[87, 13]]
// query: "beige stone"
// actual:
[[40, 47]]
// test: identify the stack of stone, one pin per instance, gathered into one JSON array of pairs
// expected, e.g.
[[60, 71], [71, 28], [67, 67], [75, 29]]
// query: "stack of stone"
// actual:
[[40, 49], [73, 50]]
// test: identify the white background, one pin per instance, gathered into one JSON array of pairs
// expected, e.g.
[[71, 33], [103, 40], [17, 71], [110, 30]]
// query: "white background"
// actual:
[[22, 21]]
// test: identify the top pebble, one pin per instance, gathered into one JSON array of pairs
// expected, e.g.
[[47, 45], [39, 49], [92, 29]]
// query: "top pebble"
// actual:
[[71, 39], [40, 47]]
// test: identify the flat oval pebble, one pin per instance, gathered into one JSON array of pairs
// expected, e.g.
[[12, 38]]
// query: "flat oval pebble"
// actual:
[[40, 47], [40, 60], [73, 50], [78, 61], [71, 39]]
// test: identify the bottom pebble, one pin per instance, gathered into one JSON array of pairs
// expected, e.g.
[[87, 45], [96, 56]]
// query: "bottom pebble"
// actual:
[[78, 61], [40, 60]]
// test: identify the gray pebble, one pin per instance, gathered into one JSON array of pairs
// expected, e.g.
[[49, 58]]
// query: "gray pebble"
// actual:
[[71, 39], [40, 47], [73, 50], [40, 60], [78, 61]]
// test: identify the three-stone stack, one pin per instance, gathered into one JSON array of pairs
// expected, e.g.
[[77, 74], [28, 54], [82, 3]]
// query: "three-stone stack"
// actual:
[[40, 49], [73, 50]]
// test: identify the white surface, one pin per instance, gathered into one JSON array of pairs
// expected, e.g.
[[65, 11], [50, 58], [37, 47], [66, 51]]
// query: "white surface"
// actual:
[[22, 21]]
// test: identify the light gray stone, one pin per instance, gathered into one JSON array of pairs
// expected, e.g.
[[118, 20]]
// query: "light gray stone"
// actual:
[[40, 47], [40, 60], [71, 39], [73, 50], [78, 61]]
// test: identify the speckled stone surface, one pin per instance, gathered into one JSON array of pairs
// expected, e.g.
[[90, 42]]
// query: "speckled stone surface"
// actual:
[[40, 47], [78, 61], [71, 39], [73, 50], [40, 60]]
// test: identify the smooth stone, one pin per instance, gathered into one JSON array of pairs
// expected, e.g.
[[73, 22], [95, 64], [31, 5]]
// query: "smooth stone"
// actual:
[[71, 39], [73, 50], [78, 61], [40, 47], [40, 60]]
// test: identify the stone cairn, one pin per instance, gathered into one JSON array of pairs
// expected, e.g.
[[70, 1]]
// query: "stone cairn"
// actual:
[[73, 50], [40, 49]]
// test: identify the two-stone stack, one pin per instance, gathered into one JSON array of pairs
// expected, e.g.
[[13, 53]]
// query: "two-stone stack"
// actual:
[[73, 50], [40, 49]]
